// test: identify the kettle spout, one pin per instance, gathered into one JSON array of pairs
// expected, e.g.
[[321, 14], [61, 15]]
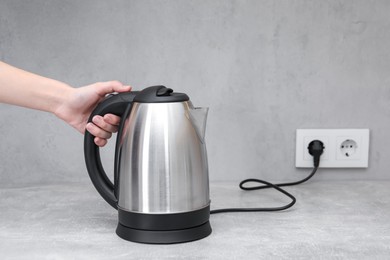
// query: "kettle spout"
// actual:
[[198, 118]]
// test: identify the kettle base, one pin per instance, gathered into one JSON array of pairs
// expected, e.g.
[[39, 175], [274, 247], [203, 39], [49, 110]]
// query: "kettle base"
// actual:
[[168, 228], [163, 236]]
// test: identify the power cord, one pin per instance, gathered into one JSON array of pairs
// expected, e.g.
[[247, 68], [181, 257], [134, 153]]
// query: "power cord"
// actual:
[[316, 148]]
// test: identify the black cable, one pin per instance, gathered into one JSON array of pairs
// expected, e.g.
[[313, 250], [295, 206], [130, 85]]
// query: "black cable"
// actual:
[[315, 148], [278, 185], [269, 185]]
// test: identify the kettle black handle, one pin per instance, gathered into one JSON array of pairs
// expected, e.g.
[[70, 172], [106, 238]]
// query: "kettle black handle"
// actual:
[[114, 104]]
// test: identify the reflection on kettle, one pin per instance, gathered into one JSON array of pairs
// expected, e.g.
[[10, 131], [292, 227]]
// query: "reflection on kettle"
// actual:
[[161, 185], [198, 117]]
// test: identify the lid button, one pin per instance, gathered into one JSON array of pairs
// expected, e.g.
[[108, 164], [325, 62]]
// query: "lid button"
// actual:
[[164, 92]]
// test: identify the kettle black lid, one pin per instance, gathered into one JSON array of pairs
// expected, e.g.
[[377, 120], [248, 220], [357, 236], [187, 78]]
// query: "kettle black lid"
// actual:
[[159, 94]]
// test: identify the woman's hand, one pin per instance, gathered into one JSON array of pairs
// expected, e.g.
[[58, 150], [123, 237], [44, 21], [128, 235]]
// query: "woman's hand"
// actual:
[[73, 105], [79, 103]]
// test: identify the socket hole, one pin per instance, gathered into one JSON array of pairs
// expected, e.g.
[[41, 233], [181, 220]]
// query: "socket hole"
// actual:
[[348, 147]]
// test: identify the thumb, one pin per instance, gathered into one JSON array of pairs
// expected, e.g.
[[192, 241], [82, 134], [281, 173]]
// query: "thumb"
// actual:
[[107, 87], [123, 88]]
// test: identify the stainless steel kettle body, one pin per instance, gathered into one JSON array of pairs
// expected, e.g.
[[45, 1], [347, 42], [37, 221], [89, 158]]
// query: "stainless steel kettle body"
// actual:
[[161, 186], [163, 166]]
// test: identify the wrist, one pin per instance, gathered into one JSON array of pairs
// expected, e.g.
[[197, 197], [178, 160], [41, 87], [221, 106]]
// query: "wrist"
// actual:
[[57, 95], [60, 99]]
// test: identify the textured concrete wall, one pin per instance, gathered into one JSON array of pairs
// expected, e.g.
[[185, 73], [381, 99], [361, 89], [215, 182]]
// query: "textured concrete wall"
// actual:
[[265, 68]]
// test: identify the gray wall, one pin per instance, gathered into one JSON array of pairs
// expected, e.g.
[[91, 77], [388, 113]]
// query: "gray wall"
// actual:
[[265, 68]]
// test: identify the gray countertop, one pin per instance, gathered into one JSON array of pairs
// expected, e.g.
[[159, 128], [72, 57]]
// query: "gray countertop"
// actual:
[[331, 220]]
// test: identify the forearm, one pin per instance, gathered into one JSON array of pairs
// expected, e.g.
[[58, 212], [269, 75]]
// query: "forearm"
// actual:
[[22, 88]]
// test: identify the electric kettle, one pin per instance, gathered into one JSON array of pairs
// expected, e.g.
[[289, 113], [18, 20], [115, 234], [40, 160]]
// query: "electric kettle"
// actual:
[[161, 184]]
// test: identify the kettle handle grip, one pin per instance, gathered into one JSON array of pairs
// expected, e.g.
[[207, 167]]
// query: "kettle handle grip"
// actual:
[[113, 104]]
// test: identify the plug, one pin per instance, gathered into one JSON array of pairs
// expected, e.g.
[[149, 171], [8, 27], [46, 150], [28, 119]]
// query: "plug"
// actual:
[[316, 148]]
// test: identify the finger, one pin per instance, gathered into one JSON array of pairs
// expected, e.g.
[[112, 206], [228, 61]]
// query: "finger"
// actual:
[[100, 122], [100, 141], [97, 131], [104, 88], [112, 119]]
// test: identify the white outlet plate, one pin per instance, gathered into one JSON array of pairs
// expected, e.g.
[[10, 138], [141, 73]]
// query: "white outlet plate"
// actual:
[[335, 154]]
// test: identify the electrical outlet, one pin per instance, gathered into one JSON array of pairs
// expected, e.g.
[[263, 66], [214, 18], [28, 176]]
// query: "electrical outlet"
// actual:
[[344, 148]]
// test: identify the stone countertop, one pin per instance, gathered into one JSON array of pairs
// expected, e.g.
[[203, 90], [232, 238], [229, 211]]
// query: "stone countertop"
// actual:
[[331, 220]]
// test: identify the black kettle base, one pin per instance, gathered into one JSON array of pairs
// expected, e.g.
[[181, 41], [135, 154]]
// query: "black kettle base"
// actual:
[[164, 236], [164, 228]]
